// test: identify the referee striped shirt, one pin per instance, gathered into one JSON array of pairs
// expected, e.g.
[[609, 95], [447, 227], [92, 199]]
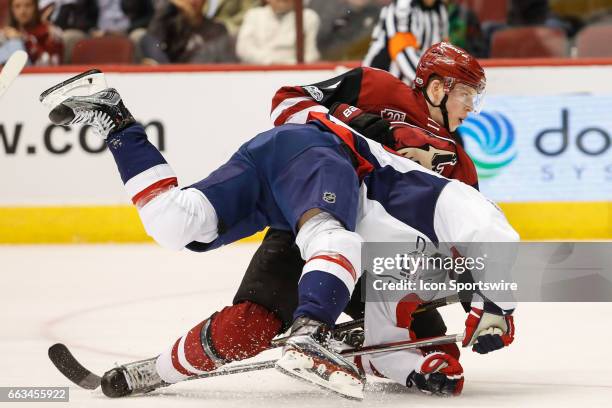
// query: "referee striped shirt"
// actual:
[[405, 29]]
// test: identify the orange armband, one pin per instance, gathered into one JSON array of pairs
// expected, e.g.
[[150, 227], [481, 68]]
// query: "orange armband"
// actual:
[[400, 41]]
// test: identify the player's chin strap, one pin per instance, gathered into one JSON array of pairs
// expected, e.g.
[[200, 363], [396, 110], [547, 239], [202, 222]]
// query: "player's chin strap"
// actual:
[[442, 107]]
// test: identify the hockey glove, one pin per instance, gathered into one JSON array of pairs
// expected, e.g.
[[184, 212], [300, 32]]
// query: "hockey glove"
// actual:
[[370, 125], [439, 374], [489, 329]]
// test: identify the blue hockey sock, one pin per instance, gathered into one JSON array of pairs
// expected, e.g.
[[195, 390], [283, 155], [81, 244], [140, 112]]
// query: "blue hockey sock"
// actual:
[[133, 152], [322, 296]]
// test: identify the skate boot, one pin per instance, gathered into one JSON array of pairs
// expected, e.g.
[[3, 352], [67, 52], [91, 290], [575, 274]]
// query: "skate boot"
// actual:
[[80, 101], [305, 357], [133, 378]]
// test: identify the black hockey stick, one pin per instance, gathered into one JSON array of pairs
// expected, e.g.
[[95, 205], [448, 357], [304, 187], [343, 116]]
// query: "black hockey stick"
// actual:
[[70, 367], [65, 362]]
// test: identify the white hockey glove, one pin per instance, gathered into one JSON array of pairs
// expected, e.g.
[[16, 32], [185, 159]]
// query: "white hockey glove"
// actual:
[[488, 329]]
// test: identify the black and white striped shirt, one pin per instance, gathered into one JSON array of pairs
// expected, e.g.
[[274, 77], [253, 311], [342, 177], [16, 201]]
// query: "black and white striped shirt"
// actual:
[[406, 28]]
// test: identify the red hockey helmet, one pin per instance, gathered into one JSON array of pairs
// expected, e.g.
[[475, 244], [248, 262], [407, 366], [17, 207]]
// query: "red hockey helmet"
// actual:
[[454, 65]]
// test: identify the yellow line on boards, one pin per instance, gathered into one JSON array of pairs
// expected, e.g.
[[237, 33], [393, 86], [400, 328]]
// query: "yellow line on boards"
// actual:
[[100, 224], [561, 220]]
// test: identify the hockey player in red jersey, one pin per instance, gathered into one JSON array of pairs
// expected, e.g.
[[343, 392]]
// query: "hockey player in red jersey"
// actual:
[[449, 85]]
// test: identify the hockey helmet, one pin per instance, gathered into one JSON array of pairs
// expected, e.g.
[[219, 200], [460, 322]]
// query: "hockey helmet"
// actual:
[[454, 65]]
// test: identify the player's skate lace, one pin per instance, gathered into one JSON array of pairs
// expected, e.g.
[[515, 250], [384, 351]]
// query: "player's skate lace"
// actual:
[[353, 338], [102, 122], [142, 376]]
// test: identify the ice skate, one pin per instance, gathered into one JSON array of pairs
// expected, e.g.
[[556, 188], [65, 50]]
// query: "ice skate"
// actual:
[[305, 357], [81, 101], [133, 378]]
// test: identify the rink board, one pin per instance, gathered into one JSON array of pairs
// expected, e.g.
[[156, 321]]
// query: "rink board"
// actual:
[[542, 146], [534, 221]]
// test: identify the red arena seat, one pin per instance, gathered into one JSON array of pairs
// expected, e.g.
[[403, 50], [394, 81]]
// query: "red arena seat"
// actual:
[[104, 50], [529, 42], [594, 41], [495, 11], [4, 12]]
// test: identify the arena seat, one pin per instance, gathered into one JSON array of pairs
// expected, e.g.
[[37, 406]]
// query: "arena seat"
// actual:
[[489, 11], [594, 41], [4, 12], [529, 42], [104, 50]]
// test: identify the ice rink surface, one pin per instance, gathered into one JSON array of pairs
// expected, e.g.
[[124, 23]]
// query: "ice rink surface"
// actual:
[[113, 304]]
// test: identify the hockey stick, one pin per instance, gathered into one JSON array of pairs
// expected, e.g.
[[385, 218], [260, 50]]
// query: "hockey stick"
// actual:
[[70, 367], [84, 378], [357, 323], [11, 69], [379, 348]]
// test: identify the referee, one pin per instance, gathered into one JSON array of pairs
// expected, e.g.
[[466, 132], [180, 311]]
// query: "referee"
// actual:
[[405, 29]]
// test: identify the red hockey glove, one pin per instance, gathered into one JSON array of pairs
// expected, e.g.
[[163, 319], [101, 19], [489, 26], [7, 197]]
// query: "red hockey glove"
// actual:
[[430, 151], [439, 374], [488, 331], [372, 126]]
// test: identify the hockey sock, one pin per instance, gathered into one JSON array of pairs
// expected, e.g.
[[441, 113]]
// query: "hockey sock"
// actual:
[[235, 333], [142, 168], [322, 296], [329, 275]]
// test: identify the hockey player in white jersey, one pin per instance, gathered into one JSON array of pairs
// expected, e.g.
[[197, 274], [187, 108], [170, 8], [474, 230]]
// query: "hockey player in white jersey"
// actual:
[[333, 189]]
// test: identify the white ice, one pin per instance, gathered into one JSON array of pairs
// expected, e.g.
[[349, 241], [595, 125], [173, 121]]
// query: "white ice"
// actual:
[[115, 303]]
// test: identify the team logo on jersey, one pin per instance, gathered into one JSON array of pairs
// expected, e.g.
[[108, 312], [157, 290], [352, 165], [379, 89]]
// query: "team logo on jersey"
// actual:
[[315, 92], [329, 197], [430, 157], [490, 142], [393, 115]]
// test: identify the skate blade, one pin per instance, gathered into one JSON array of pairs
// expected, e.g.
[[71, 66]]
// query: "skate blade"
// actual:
[[86, 83], [313, 379]]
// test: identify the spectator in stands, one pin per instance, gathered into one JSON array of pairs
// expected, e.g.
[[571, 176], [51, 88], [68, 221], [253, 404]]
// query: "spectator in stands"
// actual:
[[76, 18], [180, 33], [534, 12], [82, 18], [229, 12], [139, 14], [346, 27], [528, 12], [267, 35], [27, 30], [582, 12], [464, 29], [111, 19]]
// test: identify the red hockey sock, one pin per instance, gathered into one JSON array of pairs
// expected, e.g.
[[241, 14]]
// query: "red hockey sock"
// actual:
[[243, 330], [235, 333]]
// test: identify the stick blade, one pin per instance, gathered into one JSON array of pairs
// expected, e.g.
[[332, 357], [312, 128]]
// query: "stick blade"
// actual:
[[65, 362]]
